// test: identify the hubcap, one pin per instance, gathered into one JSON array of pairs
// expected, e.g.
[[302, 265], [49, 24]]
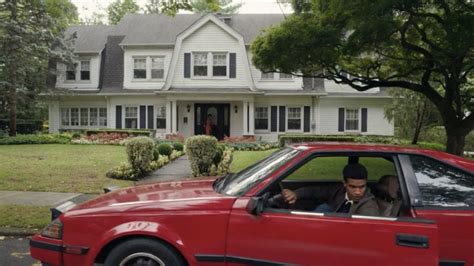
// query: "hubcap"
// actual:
[[142, 259]]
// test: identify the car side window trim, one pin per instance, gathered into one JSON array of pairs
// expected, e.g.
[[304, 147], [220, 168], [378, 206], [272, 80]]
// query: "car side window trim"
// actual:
[[414, 192]]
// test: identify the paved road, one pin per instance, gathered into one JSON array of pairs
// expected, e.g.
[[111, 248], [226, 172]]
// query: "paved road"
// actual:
[[15, 251]]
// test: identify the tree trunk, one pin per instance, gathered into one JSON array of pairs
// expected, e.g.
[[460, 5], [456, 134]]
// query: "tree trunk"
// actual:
[[12, 102], [416, 134], [455, 140]]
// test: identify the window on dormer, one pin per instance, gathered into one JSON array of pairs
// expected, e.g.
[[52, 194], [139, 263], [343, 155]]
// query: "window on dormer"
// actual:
[[157, 67], [139, 68], [200, 65], [85, 70], [70, 72], [219, 65]]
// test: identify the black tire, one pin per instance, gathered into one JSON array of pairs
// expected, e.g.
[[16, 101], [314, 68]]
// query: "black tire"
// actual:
[[144, 250]]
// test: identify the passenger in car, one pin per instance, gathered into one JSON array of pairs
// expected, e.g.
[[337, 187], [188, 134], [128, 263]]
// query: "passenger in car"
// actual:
[[387, 195], [352, 196]]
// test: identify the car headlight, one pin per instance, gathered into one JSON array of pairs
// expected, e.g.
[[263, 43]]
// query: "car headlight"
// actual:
[[53, 230]]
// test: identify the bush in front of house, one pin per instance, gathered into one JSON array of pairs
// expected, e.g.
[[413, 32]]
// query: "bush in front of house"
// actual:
[[140, 153], [128, 132], [223, 166], [165, 149], [37, 139], [178, 146], [201, 150], [124, 172]]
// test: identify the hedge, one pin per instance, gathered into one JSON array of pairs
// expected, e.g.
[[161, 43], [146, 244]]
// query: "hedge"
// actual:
[[23, 126], [145, 133], [289, 139], [37, 139]]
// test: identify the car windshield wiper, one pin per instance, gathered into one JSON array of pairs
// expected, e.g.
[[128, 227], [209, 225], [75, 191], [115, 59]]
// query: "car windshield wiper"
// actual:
[[222, 181]]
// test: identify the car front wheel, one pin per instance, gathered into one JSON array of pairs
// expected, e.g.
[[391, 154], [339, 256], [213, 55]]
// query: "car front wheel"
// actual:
[[140, 252]]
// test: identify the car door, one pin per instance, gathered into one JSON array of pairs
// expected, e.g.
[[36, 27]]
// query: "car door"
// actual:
[[285, 237]]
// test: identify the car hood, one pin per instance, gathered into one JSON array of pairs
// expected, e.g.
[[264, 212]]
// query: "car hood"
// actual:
[[163, 195]]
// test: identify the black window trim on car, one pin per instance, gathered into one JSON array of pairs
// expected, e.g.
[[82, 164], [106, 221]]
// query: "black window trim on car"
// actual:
[[415, 192]]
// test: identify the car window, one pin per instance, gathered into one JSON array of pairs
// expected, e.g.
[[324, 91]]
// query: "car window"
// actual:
[[441, 184], [330, 168]]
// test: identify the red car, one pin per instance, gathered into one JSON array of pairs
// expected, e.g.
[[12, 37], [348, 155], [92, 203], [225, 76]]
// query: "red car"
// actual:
[[237, 220]]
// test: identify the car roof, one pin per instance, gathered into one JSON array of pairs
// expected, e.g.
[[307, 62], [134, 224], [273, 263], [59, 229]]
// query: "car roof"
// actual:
[[461, 162]]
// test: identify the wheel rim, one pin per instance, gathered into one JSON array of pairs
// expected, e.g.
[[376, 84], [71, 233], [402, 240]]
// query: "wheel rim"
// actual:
[[142, 259]]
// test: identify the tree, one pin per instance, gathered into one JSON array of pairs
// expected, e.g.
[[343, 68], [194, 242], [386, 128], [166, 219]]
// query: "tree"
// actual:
[[425, 46], [119, 8], [218, 6], [29, 37], [412, 112]]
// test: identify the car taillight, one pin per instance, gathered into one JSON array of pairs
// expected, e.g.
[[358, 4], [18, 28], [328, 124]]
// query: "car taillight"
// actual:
[[53, 230]]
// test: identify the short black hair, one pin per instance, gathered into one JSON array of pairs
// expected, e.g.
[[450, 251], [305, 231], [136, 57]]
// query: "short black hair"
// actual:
[[354, 171]]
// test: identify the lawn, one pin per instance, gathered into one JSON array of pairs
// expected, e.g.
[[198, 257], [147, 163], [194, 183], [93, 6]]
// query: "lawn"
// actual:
[[59, 168], [25, 217], [242, 159]]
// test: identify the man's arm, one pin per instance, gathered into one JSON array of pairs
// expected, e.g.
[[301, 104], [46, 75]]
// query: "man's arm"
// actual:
[[309, 193]]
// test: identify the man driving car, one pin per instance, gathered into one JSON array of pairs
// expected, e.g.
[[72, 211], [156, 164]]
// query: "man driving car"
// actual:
[[352, 196]]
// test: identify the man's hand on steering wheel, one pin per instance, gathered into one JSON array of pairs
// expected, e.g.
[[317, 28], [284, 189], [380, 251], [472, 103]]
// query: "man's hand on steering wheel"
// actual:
[[289, 196]]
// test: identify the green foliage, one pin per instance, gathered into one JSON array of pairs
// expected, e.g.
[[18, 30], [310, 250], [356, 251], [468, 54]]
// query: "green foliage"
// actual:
[[64, 12], [424, 46], [165, 149], [178, 146], [214, 6], [124, 172], [119, 8], [140, 153], [37, 139], [218, 154], [145, 133], [431, 146], [252, 145], [222, 167], [289, 139], [24, 126], [201, 150]]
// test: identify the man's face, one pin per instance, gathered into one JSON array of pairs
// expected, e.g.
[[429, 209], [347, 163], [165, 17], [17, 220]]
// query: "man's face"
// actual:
[[355, 188]]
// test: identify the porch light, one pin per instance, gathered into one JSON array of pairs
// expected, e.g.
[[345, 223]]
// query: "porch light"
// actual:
[[236, 108], [189, 108]]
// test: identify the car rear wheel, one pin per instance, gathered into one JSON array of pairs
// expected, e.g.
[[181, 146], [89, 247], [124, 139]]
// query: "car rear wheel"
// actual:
[[141, 252]]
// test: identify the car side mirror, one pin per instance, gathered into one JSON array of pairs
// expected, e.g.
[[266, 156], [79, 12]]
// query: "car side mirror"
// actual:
[[256, 205]]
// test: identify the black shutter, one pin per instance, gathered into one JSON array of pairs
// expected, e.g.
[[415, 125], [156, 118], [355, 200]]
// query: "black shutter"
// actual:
[[187, 65], [142, 116], [150, 117], [232, 66], [364, 119], [273, 118], [341, 120], [306, 118], [282, 118], [118, 116]]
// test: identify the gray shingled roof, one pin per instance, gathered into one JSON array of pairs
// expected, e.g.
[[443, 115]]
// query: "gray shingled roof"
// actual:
[[90, 39]]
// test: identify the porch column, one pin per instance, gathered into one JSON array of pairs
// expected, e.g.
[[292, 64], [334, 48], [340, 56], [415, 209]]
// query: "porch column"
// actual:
[[251, 118], [168, 117], [245, 114], [174, 115]]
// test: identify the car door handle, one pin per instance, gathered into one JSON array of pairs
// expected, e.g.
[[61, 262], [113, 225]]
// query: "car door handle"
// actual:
[[414, 241]]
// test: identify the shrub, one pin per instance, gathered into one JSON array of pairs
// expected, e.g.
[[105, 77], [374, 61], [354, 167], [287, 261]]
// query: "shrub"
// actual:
[[289, 139], [140, 153], [223, 167], [218, 154], [252, 146], [125, 171], [145, 133], [431, 145], [103, 138], [175, 137], [37, 139], [201, 150], [178, 146], [165, 149], [175, 155]]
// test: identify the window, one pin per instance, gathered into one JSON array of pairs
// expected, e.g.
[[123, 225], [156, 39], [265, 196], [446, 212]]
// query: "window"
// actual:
[[285, 76], [84, 116], [103, 117], [70, 72], [85, 70], [219, 65], [200, 65], [294, 118], [269, 75], [352, 119], [131, 117], [74, 116], [161, 117], [139, 68], [93, 117], [261, 118], [442, 185], [157, 67], [64, 116]]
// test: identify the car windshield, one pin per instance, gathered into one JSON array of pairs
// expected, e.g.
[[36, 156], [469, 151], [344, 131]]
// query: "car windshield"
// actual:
[[239, 183]]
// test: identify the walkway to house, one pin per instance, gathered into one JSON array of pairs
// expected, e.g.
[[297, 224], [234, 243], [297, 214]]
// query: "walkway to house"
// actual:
[[176, 170]]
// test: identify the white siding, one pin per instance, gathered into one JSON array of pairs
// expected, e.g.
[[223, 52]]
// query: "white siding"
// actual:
[[294, 84], [93, 83], [210, 38], [132, 101], [376, 122], [53, 116], [129, 54]]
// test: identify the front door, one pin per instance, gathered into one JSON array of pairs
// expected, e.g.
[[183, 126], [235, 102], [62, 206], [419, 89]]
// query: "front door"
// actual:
[[212, 119]]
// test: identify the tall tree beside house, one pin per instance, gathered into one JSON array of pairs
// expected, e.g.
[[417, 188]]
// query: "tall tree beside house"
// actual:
[[200, 6], [119, 8], [412, 112], [27, 35], [419, 45]]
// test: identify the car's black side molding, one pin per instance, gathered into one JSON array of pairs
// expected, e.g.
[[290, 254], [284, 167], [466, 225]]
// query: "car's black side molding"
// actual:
[[47, 246], [236, 259], [451, 263]]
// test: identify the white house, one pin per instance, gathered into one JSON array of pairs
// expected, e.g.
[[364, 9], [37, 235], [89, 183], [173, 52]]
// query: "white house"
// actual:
[[169, 73]]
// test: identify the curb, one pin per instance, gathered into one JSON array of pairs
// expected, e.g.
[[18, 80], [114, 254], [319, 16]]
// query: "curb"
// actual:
[[24, 232]]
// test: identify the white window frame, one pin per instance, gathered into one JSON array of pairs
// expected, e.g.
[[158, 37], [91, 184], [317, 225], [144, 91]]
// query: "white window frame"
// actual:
[[262, 77], [80, 69], [80, 115], [210, 65], [157, 108], [124, 118], [276, 77], [288, 118], [133, 68], [77, 71], [268, 118], [358, 112], [150, 58]]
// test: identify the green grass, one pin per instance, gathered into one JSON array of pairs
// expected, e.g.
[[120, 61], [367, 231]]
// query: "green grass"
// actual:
[[25, 217], [242, 159], [59, 167]]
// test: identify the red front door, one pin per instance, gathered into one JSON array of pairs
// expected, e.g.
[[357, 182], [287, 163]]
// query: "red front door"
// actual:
[[283, 237]]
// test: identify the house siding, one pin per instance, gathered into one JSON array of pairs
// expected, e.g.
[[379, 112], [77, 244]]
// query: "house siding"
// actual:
[[93, 83], [135, 101], [210, 38]]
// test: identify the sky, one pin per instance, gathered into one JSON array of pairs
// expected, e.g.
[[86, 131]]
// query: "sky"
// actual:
[[87, 7]]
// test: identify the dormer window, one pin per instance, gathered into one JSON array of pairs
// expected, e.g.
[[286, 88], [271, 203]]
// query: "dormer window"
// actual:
[[157, 67], [85, 70], [200, 65], [70, 72], [274, 76], [139, 68], [219, 65], [149, 68], [79, 72], [210, 64]]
